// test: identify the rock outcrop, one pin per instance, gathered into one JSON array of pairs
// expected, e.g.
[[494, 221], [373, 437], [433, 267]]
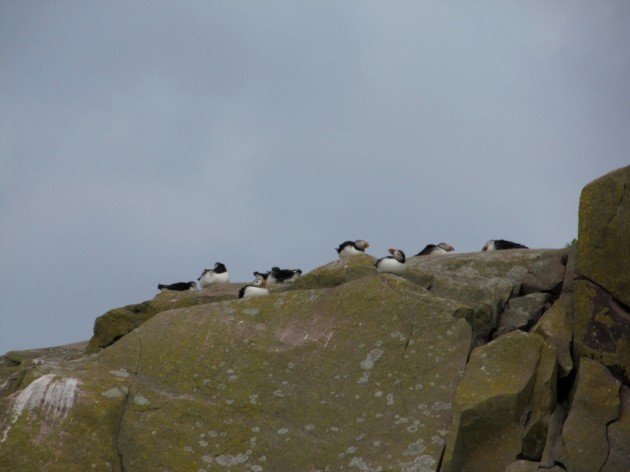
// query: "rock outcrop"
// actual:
[[602, 288], [513, 360]]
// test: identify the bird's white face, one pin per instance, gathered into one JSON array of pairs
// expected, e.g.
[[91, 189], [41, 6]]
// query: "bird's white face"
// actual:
[[361, 244], [397, 253], [489, 246], [447, 247]]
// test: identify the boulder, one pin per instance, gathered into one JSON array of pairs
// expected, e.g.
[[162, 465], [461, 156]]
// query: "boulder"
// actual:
[[602, 286], [543, 401], [114, 324], [554, 432], [485, 281], [360, 376], [618, 434], [594, 403], [502, 398], [336, 273], [601, 328], [555, 328], [521, 313], [604, 234]]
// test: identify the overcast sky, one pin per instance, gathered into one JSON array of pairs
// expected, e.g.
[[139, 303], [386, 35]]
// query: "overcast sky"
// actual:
[[143, 141]]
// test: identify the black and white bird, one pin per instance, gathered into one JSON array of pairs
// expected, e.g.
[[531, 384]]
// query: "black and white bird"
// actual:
[[434, 249], [178, 286], [352, 248], [281, 276], [394, 264], [262, 275], [255, 289], [218, 275], [502, 244]]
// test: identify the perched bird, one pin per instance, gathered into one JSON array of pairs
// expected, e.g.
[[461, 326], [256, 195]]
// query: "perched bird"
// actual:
[[179, 286], [262, 275], [280, 276], [352, 248], [433, 249], [394, 264], [218, 275], [501, 244], [255, 289]]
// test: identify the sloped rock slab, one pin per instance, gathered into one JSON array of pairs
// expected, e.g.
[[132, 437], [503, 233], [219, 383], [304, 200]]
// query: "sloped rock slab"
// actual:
[[116, 323], [595, 403], [486, 281], [618, 434], [497, 396], [604, 234], [521, 313], [359, 377]]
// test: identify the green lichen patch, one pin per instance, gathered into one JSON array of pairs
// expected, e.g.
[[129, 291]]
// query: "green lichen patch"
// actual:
[[363, 373]]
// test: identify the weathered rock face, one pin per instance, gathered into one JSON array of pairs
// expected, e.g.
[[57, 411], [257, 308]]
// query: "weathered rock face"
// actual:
[[604, 234], [114, 324], [594, 404], [360, 375], [485, 282], [602, 289], [503, 404], [554, 327]]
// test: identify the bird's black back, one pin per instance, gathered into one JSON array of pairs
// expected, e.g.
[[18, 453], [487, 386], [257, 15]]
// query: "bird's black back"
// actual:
[[345, 244], [427, 250], [501, 244]]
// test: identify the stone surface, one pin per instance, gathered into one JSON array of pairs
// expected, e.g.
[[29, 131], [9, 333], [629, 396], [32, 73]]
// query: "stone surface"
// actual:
[[604, 233], [360, 376], [601, 328], [619, 437], [594, 403], [485, 281], [521, 313], [553, 435], [543, 400], [554, 327], [15, 364], [336, 273], [547, 275], [522, 466], [602, 287], [114, 324], [494, 400]]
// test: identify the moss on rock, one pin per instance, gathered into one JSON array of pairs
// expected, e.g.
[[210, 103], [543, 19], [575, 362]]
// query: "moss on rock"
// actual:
[[498, 392], [114, 324]]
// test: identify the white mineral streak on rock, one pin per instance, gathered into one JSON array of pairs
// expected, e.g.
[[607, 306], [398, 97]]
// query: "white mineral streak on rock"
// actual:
[[54, 397], [59, 397], [31, 396]]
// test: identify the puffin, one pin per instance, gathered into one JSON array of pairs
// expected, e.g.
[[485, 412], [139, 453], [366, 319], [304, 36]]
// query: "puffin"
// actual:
[[352, 248], [255, 289], [502, 244], [218, 275], [433, 249], [394, 264], [262, 275], [179, 286], [280, 276]]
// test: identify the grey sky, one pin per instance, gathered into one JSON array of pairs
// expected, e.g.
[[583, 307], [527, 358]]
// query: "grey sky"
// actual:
[[142, 141]]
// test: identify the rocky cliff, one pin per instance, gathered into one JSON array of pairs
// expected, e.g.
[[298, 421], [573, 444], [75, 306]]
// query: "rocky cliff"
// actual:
[[513, 360]]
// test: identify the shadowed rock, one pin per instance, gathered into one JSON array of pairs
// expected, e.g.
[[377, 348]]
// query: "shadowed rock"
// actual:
[[594, 404], [502, 399]]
